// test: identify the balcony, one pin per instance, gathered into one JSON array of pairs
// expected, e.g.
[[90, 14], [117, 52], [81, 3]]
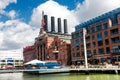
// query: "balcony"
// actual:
[[114, 42], [115, 51], [114, 32]]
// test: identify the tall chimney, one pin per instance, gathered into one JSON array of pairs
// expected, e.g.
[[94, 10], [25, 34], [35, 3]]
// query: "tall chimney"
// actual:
[[46, 23], [52, 24], [59, 25], [65, 26]]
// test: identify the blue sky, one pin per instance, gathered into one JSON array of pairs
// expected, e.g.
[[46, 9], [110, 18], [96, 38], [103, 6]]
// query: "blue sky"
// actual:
[[20, 20], [25, 7]]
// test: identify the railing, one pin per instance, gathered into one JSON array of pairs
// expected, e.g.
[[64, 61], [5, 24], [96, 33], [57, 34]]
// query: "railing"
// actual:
[[115, 51], [114, 42], [114, 33]]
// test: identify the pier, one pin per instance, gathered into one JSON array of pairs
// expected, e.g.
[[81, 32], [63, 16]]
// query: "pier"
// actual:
[[66, 70], [77, 70]]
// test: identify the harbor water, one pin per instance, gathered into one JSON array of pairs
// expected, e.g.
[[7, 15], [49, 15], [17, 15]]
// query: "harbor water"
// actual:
[[61, 76]]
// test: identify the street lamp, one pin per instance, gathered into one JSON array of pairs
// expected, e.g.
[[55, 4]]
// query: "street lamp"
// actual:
[[85, 52]]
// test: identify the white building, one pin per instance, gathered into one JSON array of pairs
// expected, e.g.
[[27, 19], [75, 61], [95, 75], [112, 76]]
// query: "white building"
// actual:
[[11, 58]]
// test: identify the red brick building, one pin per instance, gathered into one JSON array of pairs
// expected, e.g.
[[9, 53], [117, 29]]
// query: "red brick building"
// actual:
[[60, 50], [29, 53], [102, 39], [51, 45]]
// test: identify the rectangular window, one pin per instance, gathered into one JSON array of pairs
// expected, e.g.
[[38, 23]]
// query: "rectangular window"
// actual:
[[115, 40], [105, 26], [16, 60], [99, 36], [93, 37], [72, 42], [107, 42], [2, 60], [100, 43], [88, 45], [107, 50], [92, 30], [101, 51], [115, 49], [98, 28], [77, 44], [114, 32], [88, 39], [81, 34], [94, 52], [93, 44], [77, 35], [78, 54], [106, 34], [88, 31], [88, 53], [72, 36], [81, 39], [77, 47]]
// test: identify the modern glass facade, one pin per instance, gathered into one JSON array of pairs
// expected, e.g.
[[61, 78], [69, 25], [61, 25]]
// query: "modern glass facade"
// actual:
[[102, 39]]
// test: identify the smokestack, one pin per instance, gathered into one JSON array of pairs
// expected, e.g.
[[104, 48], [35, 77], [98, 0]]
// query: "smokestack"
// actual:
[[46, 23], [59, 25], [65, 26], [52, 24]]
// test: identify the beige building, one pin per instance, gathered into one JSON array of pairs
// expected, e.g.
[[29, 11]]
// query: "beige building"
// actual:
[[11, 58]]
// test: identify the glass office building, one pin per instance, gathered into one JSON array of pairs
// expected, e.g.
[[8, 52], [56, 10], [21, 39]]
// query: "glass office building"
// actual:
[[102, 39]]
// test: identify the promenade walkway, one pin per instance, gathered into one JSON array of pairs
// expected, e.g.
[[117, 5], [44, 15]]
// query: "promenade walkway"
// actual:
[[66, 70]]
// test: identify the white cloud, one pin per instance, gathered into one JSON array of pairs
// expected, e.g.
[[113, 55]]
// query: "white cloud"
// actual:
[[83, 12], [52, 8], [5, 3], [93, 8], [12, 14], [17, 35]]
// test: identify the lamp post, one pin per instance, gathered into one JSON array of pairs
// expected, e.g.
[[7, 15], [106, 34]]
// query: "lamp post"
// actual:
[[85, 52]]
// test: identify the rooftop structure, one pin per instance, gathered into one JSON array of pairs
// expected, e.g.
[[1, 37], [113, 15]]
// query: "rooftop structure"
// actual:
[[51, 45], [112, 15]]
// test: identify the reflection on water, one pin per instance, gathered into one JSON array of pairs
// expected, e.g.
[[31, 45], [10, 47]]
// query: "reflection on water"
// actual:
[[62, 76], [11, 76]]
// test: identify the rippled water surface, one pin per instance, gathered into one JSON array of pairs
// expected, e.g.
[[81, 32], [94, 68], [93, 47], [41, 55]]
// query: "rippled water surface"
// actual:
[[62, 76]]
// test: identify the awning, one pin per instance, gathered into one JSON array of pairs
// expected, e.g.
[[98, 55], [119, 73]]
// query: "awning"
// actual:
[[34, 62]]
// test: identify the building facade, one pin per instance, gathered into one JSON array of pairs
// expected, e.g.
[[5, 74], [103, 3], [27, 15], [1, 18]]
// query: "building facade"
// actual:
[[51, 45], [29, 53], [11, 58], [60, 50], [102, 39]]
